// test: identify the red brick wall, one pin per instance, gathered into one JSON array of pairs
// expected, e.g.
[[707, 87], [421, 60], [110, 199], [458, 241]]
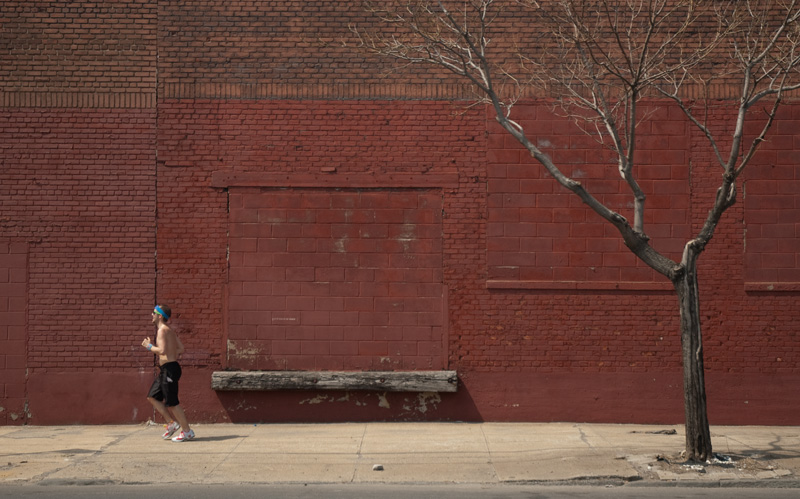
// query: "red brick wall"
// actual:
[[376, 141], [542, 236], [133, 132], [79, 188], [251, 43], [78, 54], [635, 328]]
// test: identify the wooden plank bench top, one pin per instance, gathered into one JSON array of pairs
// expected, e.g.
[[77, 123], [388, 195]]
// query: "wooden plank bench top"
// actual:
[[390, 381]]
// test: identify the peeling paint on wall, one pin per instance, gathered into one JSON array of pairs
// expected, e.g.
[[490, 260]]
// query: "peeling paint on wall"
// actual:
[[360, 400], [330, 398], [420, 403], [316, 400], [243, 406], [249, 350]]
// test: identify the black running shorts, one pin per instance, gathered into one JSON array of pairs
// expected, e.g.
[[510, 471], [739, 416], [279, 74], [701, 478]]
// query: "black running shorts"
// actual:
[[165, 386]]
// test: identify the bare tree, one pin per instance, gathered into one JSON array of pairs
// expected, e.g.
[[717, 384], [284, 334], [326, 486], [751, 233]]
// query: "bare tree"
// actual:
[[612, 54]]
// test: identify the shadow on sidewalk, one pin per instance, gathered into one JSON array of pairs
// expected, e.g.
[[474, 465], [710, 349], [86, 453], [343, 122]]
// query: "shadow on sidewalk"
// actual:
[[216, 439]]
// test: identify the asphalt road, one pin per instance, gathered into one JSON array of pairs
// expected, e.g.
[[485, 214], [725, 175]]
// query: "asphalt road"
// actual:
[[388, 491]]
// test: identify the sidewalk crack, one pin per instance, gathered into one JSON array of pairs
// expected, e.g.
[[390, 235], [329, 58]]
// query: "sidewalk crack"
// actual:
[[224, 459], [490, 458], [359, 456], [584, 438], [43, 477]]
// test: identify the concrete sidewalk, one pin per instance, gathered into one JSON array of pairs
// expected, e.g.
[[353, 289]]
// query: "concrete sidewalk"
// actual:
[[406, 452]]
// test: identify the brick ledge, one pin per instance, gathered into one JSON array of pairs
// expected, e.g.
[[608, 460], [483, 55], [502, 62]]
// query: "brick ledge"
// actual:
[[580, 285], [772, 287], [223, 179]]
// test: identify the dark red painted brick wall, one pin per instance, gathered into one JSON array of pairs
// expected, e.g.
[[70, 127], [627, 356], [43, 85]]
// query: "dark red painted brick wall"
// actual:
[[13, 308], [128, 130], [542, 236], [372, 140], [77, 189], [772, 210]]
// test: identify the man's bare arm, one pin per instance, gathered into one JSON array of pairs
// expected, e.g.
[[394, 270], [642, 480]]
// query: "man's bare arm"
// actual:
[[179, 345], [156, 348], [160, 346]]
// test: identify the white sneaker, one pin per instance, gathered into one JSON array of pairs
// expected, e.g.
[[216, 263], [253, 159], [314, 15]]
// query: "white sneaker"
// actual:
[[184, 436], [171, 429]]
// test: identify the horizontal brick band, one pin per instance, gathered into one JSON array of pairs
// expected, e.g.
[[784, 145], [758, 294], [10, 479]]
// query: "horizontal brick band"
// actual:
[[59, 99], [327, 91], [245, 91], [332, 180], [773, 287]]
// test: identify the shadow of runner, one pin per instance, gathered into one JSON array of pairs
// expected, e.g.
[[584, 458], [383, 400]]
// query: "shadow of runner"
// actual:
[[216, 439]]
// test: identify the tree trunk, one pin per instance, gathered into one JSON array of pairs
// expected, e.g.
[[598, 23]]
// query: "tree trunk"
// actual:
[[698, 435]]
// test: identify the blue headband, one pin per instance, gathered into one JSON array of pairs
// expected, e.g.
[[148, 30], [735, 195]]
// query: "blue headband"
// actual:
[[161, 312]]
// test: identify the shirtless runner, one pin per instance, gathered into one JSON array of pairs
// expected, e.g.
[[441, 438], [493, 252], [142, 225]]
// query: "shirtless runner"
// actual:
[[164, 392]]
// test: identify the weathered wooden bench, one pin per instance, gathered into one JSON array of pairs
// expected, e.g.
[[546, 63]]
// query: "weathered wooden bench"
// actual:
[[390, 381]]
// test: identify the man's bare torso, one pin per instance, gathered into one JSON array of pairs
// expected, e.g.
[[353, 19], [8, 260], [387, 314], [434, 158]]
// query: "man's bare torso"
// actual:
[[169, 342]]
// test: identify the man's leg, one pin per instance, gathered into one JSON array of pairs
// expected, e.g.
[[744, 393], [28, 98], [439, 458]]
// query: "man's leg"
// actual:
[[180, 417], [161, 409], [171, 401]]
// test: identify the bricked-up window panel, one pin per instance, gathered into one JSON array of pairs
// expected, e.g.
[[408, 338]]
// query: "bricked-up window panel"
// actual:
[[772, 209], [335, 279], [772, 217], [542, 236], [13, 307]]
